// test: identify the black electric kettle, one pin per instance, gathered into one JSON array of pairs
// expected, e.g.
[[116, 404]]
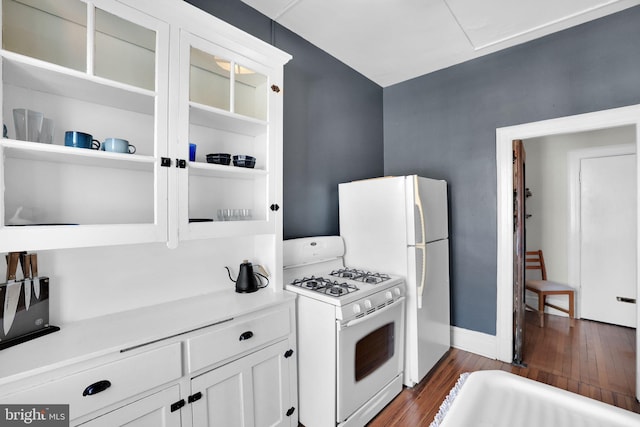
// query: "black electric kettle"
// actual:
[[248, 281]]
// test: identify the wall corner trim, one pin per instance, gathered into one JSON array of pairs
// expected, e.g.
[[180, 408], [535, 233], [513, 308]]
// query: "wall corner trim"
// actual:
[[474, 342]]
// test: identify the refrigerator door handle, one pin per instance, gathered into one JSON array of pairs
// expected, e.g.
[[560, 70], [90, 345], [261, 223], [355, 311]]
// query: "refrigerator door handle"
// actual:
[[418, 203], [423, 275]]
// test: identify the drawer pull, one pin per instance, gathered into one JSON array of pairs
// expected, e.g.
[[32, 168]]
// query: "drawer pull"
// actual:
[[96, 388], [246, 335]]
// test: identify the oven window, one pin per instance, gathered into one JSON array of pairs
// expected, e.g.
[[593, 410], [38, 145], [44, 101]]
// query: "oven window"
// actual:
[[373, 350]]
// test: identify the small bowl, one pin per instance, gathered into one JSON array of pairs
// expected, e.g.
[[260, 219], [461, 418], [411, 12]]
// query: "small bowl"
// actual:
[[219, 158], [244, 161]]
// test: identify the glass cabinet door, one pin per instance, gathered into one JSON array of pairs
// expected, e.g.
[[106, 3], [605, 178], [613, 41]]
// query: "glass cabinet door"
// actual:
[[209, 80], [124, 51], [98, 69], [54, 31], [226, 188], [250, 89]]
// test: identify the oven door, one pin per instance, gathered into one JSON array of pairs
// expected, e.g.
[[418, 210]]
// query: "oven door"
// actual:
[[370, 355]]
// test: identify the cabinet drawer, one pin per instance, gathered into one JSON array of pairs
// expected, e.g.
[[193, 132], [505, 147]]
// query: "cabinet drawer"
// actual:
[[128, 377], [236, 338]]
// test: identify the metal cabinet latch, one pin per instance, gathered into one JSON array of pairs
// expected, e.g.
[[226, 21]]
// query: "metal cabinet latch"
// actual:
[[194, 397], [176, 406]]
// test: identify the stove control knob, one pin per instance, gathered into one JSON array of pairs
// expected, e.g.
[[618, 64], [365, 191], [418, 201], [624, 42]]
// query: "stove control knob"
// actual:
[[397, 291], [367, 304], [388, 295], [357, 309]]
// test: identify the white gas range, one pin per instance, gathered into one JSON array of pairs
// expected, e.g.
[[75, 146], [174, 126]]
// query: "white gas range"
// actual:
[[350, 334]]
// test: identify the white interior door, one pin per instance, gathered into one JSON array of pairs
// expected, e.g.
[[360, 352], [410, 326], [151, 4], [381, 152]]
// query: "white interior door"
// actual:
[[608, 239]]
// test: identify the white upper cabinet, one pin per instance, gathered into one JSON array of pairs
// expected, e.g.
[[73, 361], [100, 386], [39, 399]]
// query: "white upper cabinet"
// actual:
[[225, 100], [96, 67], [109, 69]]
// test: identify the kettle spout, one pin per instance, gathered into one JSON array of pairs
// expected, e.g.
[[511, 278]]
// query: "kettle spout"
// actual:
[[229, 273]]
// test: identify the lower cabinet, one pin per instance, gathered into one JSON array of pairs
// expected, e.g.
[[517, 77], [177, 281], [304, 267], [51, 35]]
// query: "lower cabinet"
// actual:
[[252, 391], [151, 411], [240, 372]]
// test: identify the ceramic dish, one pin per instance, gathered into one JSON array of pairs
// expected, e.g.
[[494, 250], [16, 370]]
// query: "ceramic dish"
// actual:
[[219, 158], [244, 161]]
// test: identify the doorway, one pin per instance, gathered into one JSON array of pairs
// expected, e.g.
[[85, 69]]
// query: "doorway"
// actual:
[[554, 224], [626, 116]]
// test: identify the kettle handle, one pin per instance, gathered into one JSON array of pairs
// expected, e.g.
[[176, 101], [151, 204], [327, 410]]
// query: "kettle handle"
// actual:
[[258, 276]]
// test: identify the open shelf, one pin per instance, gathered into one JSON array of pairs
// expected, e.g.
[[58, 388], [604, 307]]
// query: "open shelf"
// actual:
[[224, 171], [79, 156], [36, 75], [204, 115]]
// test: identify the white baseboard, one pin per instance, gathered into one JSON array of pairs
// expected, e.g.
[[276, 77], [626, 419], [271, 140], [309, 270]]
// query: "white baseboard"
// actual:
[[474, 342]]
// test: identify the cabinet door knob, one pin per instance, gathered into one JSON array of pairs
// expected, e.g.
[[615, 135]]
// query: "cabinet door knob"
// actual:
[[246, 335], [96, 388]]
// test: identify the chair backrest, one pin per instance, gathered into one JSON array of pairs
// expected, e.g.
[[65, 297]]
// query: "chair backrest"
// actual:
[[534, 260]]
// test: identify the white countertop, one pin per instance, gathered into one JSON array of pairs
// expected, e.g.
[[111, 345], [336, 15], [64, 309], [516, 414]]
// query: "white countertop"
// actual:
[[91, 338]]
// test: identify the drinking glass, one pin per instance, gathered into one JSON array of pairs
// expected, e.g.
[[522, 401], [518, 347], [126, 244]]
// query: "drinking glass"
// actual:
[[46, 135], [34, 125]]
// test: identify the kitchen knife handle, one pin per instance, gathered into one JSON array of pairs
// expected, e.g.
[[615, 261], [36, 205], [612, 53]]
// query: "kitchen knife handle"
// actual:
[[96, 388], [12, 265], [26, 265], [34, 265], [246, 335]]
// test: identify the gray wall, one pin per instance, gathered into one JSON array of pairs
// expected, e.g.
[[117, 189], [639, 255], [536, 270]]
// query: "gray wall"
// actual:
[[443, 125], [332, 123]]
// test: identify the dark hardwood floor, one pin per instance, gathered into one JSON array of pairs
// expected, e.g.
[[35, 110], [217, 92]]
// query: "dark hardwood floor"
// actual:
[[593, 359]]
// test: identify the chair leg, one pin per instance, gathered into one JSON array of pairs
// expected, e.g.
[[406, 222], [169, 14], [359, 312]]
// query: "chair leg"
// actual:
[[571, 310], [541, 301]]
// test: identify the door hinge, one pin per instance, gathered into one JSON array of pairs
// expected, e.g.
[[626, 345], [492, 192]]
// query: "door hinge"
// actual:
[[181, 163], [194, 397], [165, 162], [290, 411], [275, 88], [274, 207], [288, 353], [176, 406]]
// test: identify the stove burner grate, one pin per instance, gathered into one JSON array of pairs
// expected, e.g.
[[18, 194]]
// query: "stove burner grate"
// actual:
[[325, 286], [360, 275]]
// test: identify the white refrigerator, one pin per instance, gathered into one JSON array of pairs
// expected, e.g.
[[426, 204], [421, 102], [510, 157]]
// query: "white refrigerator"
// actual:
[[399, 225]]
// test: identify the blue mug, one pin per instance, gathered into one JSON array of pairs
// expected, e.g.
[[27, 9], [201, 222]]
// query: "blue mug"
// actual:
[[73, 138], [117, 145]]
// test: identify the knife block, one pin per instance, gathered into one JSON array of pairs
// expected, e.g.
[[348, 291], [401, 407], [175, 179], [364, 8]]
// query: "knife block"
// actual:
[[28, 323]]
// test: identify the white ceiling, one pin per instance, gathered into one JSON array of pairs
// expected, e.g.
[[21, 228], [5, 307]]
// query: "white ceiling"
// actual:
[[390, 41]]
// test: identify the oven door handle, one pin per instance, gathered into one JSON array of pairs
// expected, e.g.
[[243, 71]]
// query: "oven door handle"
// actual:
[[368, 317]]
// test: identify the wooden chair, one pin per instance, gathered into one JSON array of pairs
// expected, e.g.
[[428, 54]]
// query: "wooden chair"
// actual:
[[534, 260]]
